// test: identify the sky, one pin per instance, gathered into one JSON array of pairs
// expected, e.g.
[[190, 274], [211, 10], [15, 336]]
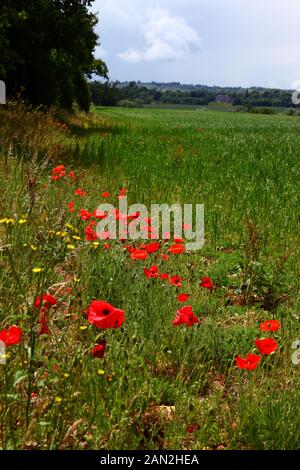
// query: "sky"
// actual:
[[211, 42]]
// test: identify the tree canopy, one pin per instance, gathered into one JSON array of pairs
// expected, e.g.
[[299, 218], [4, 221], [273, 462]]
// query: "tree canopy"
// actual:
[[47, 50]]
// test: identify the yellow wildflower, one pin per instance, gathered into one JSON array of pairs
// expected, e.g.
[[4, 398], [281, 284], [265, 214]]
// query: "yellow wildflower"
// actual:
[[37, 270]]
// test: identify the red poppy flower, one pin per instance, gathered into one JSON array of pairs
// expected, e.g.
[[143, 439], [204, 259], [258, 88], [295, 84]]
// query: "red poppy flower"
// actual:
[[11, 335], [58, 172], [270, 325], [105, 194], [151, 272], [152, 247], [71, 206], [44, 329], [250, 362], [139, 254], [58, 169], [266, 346], [45, 300], [122, 193], [85, 215], [176, 249], [129, 248], [164, 276], [183, 297], [99, 350], [106, 246], [72, 175], [104, 315], [178, 240], [192, 428], [206, 283], [80, 192], [176, 281], [164, 257], [90, 233], [186, 316]]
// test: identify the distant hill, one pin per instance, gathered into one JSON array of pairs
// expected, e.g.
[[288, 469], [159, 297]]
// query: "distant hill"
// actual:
[[174, 93], [177, 86]]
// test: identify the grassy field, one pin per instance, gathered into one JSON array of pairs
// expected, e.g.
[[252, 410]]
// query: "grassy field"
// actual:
[[157, 386]]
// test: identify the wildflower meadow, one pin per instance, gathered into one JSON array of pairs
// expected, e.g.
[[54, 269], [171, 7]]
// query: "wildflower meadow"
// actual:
[[120, 343]]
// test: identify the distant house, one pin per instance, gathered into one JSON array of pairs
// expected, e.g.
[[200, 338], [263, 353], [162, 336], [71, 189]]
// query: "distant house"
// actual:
[[223, 99]]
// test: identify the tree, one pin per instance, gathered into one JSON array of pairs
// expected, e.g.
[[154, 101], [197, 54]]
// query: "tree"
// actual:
[[157, 95], [105, 94], [47, 50]]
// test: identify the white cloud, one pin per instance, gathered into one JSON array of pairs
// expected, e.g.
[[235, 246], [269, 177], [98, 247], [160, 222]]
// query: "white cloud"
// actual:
[[132, 55], [166, 38]]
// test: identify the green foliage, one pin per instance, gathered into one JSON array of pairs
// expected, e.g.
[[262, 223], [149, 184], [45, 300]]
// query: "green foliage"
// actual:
[[291, 112], [47, 50], [171, 94], [105, 94], [262, 111]]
